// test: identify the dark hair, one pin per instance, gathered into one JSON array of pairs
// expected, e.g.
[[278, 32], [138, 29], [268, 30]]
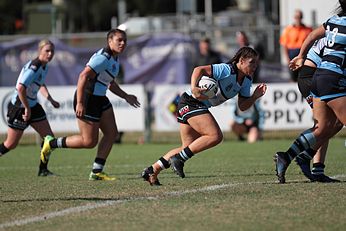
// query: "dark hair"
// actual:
[[244, 52], [206, 40], [342, 8], [112, 32], [241, 33]]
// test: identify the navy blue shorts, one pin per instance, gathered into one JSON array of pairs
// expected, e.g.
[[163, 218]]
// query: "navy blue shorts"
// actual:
[[328, 85], [189, 107], [304, 81], [94, 106], [15, 116]]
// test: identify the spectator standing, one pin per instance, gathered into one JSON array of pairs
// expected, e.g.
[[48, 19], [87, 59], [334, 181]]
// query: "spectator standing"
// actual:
[[292, 39], [206, 54]]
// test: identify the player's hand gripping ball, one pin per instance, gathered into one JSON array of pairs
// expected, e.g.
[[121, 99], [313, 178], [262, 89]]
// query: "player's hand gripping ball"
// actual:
[[210, 85]]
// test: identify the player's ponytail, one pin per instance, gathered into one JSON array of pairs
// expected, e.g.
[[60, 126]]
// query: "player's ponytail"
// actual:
[[341, 9]]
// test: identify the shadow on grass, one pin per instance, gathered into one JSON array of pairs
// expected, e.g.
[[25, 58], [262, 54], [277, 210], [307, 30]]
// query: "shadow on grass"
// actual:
[[91, 199]]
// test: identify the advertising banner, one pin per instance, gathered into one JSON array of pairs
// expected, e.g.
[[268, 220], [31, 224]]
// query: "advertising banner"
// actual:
[[159, 58], [284, 108], [63, 119]]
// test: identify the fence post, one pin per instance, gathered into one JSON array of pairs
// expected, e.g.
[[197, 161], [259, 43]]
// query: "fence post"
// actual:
[[148, 89]]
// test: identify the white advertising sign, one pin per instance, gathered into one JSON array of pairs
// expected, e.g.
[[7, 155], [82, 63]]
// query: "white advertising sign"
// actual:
[[283, 106], [63, 119]]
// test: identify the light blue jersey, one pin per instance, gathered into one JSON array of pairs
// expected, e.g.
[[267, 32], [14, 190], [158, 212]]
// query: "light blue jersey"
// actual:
[[32, 76], [315, 53], [228, 87], [106, 68], [334, 52]]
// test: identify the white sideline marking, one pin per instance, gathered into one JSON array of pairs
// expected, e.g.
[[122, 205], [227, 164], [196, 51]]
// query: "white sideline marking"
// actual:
[[339, 176], [107, 203]]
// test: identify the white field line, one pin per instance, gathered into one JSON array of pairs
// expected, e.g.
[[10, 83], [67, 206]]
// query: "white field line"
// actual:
[[90, 206], [108, 203]]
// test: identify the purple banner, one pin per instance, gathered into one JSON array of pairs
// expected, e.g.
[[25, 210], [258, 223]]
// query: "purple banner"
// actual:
[[165, 58], [160, 58], [63, 69]]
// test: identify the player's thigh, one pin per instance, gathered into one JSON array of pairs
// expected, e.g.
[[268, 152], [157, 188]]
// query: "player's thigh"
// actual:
[[339, 108], [187, 134], [205, 124], [107, 123], [89, 130], [42, 128], [324, 117]]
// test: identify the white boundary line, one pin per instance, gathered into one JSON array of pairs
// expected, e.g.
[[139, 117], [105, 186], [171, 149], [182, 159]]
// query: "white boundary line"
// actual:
[[90, 206], [107, 203]]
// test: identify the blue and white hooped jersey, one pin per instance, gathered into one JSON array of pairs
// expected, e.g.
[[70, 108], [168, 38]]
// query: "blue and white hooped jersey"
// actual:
[[102, 62], [228, 87], [32, 76], [315, 53], [335, 51]]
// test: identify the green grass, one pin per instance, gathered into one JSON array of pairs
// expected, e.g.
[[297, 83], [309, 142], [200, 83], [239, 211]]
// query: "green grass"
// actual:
[[230, 187]]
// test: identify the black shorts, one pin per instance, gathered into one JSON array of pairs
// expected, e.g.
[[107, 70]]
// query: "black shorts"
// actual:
[[189, 107], [15, 116], [305, 81], [94, 106], [248, 127], [328, 85]]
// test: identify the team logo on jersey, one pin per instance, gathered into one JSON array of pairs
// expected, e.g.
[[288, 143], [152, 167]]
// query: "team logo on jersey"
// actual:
[[114, 67], [105, 53], [33, 67], [229, 87]]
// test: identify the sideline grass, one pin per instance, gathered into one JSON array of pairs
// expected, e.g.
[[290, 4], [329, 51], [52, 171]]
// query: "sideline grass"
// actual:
[[230, 187]]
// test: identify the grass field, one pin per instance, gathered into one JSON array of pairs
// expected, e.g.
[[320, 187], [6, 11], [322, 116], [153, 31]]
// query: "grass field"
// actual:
[[230, 187]]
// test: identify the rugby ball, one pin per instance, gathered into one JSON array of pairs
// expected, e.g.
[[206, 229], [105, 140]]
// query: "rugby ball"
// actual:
[[210, 84]]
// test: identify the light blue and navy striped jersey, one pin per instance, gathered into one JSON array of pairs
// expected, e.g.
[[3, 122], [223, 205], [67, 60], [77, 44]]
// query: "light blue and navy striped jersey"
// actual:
[[315, 53], [102, 62], [334, 52], [32, 76], [228, 87]]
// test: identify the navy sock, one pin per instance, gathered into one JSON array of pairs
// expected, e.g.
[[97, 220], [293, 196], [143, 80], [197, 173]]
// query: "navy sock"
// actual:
[[58, 142], [303, 143], [164, 164], [3, 149], [185, 154], [318, 169]]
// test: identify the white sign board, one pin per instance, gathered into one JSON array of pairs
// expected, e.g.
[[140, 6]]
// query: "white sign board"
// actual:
[[63, 119], [283, 106]]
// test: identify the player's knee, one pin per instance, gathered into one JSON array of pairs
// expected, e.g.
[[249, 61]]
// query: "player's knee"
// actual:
[[216, 138], [11, 146], [90, 143]]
